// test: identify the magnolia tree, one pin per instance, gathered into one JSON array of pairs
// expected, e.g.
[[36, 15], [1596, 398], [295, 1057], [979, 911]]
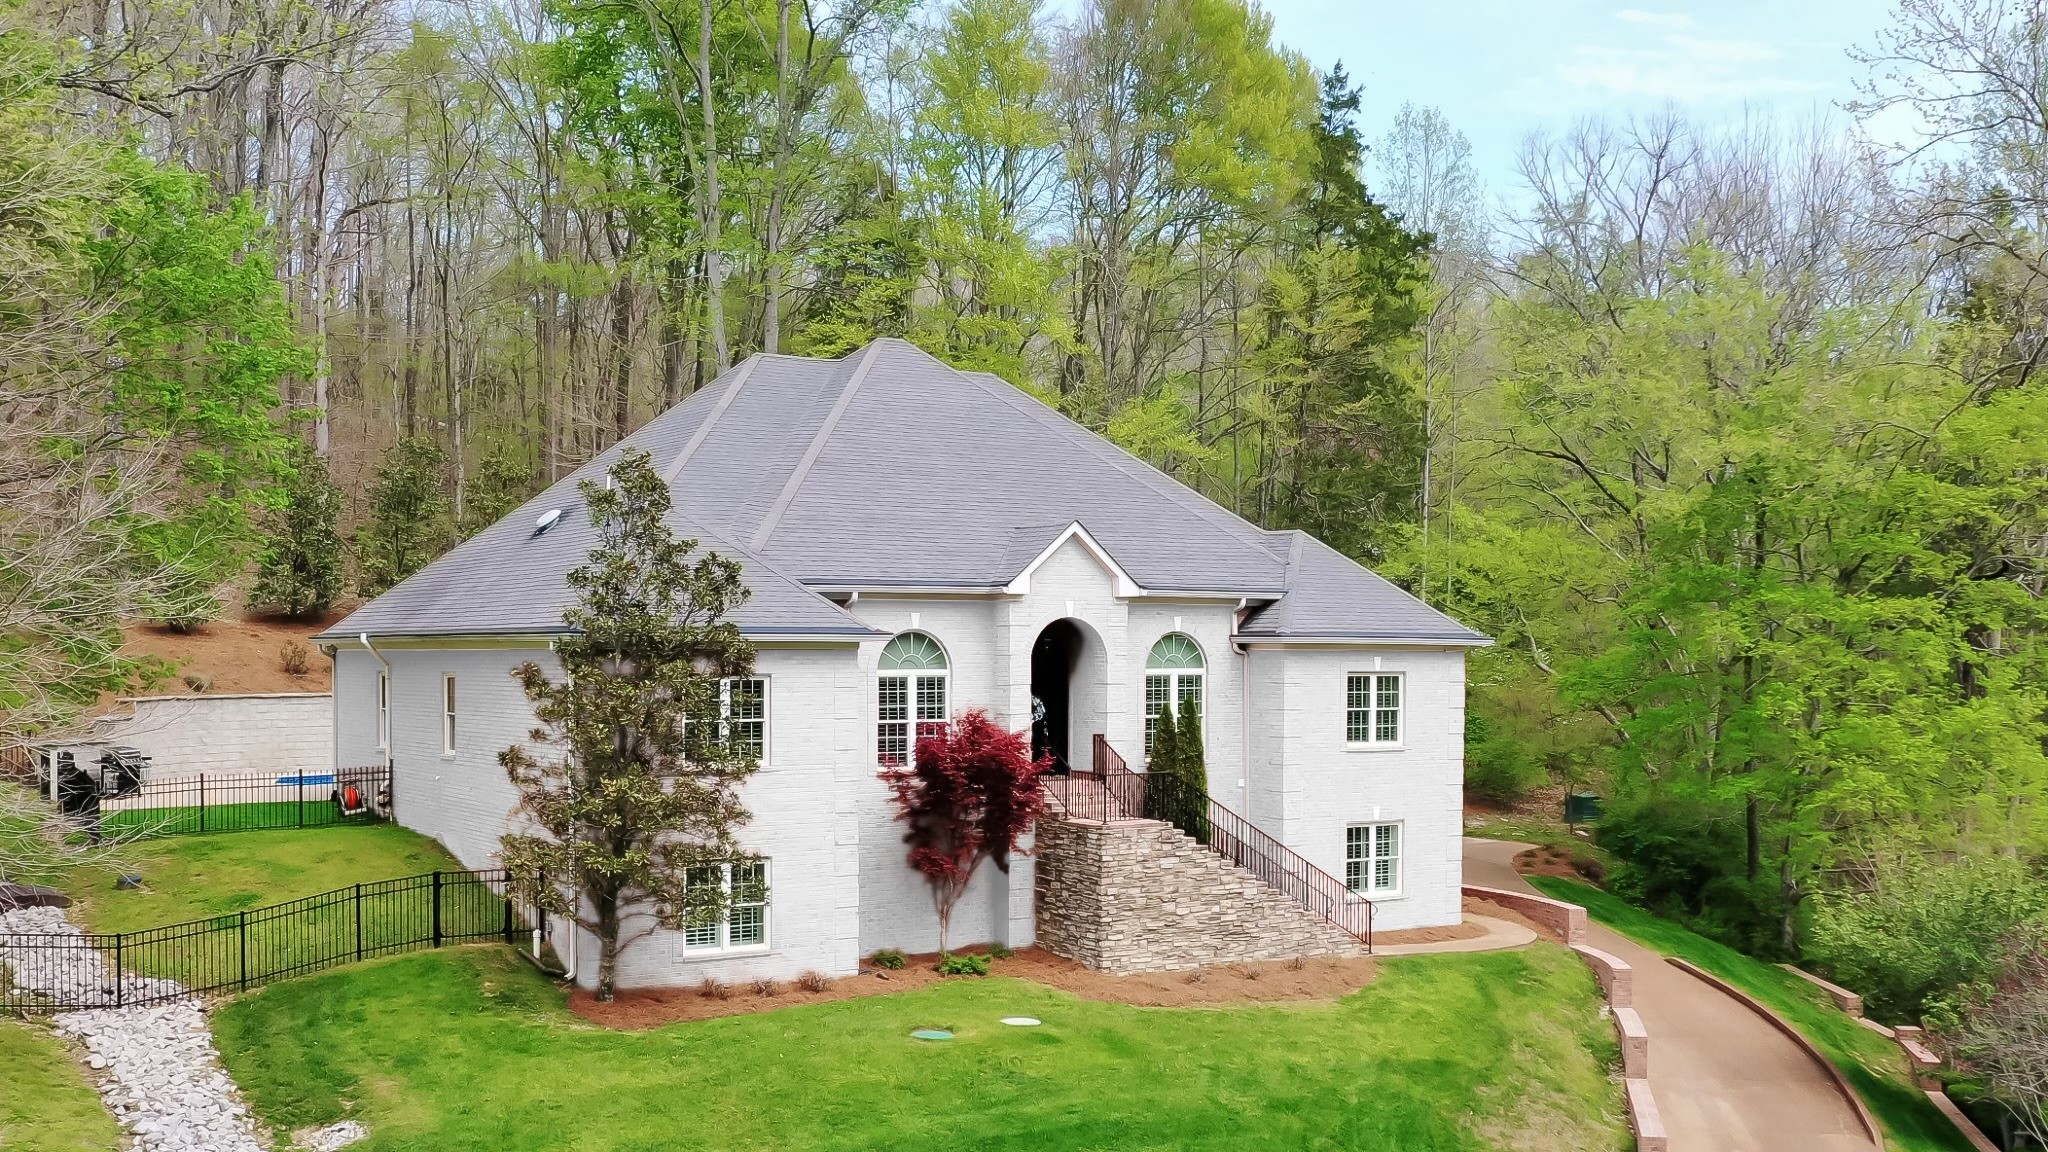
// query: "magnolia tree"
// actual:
[[970, 794], [631, 801]]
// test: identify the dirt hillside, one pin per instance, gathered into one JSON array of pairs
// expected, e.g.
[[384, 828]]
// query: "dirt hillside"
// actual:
[[238, 654]]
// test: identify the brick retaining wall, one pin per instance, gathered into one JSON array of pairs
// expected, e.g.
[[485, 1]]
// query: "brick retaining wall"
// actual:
[[1141, 896]]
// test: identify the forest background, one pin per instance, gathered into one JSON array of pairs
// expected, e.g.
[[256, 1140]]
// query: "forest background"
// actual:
[[1735, 440]]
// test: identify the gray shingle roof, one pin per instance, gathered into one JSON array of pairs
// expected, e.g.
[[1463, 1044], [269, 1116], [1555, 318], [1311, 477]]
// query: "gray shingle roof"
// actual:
[[888, 468]]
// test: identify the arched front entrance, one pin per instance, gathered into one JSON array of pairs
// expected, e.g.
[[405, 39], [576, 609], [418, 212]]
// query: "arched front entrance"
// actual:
[[1069, 692]]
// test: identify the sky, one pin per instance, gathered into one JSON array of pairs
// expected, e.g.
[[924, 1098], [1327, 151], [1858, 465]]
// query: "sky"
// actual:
[[1503, 69]]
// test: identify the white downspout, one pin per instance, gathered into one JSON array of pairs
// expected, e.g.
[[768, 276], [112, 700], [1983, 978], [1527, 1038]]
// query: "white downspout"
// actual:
[[1244, 709]]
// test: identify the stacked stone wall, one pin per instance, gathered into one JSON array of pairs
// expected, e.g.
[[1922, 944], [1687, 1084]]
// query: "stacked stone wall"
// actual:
[[1142, 896]]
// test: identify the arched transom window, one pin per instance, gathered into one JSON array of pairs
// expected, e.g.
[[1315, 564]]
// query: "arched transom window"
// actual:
[[910, 695], [1173, 672]]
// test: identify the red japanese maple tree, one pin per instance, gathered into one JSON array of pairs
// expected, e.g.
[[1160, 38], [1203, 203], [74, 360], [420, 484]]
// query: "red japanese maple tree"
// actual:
[[970, 794]]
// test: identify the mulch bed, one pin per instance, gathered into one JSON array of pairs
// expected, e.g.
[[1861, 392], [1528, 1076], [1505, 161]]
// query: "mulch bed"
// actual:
[[1320, 978]]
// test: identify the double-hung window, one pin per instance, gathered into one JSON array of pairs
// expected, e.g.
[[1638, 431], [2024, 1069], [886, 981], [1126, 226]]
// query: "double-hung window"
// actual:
[[740, 718], [448, 714], [1372, 708], [910, 696], [1173, 678], [742, 886], [1372, 859], [384, 710]]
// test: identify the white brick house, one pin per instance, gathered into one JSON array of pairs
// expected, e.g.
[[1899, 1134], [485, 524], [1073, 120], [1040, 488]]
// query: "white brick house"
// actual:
[[920, 541]]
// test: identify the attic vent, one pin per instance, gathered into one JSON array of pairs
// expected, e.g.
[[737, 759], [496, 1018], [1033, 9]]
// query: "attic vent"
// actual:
[[547, 520]]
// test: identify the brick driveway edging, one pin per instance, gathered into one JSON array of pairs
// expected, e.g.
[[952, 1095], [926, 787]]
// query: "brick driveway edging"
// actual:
[[1617, 985]]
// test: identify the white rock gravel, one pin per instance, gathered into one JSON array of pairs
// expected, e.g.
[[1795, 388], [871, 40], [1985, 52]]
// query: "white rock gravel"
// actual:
[[161, 1077]]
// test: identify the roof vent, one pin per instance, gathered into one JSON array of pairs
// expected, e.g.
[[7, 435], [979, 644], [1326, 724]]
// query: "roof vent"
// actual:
[[547, 520]]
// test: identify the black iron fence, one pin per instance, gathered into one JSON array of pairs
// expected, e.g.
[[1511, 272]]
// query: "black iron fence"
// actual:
[[214, 803], [1111, 791], [63, 970]]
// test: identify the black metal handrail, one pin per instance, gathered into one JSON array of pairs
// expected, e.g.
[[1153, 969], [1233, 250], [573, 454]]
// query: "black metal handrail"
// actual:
[[1111, 791], [60, 971]]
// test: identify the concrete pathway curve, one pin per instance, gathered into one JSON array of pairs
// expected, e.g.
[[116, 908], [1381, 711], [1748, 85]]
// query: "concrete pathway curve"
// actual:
[[1500, 935], [1725, 1080]]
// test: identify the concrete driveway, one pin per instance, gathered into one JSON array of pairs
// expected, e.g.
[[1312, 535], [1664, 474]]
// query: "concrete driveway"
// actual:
[[1725, 1080]]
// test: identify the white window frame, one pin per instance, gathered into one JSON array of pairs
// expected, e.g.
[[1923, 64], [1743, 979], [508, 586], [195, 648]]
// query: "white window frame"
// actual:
[[1375, 710], [721, 929], [725, 720], [384, 711], [448, 702], [1180, 684], [920, 685], [1365, 864]]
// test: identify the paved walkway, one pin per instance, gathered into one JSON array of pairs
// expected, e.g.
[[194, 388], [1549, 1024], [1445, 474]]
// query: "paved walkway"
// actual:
[[1500, 934], [1725, 1080]]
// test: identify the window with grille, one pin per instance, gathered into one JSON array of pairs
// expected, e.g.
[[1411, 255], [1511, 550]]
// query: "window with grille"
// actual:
[[1372, 708], [740, 716], [1173, 673], [383, 710], [744, 886], [910, 696], [1372, 859]]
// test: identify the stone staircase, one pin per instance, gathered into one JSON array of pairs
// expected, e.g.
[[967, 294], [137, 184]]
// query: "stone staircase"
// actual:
[[1128, 895]]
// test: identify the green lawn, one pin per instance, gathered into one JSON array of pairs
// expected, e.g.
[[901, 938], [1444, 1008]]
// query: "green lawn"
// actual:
[[469, 1048], [223, 893], [45, 1103], [196, 877], [1872, 1063], [316, 811]]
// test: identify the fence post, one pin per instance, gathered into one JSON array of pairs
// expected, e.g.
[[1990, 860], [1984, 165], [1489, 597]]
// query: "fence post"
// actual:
[[359, 921], [302, 797], [202, 801], [437, 909], [243, 928], [120, 985]]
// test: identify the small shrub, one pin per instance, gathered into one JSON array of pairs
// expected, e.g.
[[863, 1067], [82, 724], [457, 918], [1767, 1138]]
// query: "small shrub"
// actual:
[[1296, 963], [197, 681], [767, 988], [714, 989], [888, 958], [1250, 973], [962, 965], [1196, 976], [1000, 951], [295, 658], [812, 981]]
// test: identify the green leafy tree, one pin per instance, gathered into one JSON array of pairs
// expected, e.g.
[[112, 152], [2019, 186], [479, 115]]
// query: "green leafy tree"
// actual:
[[500, 485], [142, 338], [301, 571], [408, 523], [630, 780], [1341, 430], [1923, 930]]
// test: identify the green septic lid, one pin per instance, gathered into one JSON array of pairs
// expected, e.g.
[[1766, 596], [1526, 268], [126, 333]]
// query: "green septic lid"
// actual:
[[931, 1034]]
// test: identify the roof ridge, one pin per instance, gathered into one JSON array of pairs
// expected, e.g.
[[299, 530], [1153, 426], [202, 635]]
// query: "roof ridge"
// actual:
[[1115, 456], [697, 438], [802, 470]]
